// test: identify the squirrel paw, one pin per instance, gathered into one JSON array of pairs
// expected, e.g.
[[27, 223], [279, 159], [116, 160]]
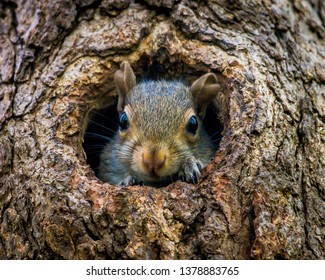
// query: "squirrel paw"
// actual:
[[129, 180], [191, 170]]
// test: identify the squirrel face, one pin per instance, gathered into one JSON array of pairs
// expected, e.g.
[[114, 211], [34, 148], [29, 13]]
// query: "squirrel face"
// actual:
[[161, 123], [158, 129]]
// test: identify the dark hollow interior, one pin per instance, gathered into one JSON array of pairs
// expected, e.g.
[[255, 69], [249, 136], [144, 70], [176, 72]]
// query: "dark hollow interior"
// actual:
[[103, 125]]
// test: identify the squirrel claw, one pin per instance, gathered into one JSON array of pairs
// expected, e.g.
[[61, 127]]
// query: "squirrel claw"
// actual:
[[191, 170], [121, 184], [181, 176], [128, 181]]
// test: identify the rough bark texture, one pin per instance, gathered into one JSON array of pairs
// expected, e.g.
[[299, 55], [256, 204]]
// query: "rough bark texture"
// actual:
[[262, 197]]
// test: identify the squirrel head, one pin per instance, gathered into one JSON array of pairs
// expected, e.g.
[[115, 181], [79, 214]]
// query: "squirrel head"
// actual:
[[161, 122]]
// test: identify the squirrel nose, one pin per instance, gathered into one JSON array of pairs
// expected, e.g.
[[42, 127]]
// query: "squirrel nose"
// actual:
[[153, 159]]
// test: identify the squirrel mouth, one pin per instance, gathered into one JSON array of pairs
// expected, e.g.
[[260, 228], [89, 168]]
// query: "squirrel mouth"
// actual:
[[153, 174]]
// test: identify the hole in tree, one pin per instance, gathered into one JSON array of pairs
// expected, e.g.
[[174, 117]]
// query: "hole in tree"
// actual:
[[103, 123]]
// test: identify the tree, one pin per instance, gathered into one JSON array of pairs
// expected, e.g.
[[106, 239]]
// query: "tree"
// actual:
[[262, 196]]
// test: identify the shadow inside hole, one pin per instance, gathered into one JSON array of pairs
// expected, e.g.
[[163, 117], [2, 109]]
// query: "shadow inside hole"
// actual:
[[213, 126], [102, 126]]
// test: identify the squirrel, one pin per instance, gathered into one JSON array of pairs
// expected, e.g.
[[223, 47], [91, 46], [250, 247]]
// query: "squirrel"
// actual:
[[161, 136]]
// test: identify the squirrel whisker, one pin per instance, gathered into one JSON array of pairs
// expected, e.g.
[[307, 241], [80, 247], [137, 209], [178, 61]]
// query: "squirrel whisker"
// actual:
[[96, 135], [105, 117], [102, 126]]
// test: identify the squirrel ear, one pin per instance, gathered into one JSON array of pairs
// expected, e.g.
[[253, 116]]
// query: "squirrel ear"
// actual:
[[125, 80], [203, 91]]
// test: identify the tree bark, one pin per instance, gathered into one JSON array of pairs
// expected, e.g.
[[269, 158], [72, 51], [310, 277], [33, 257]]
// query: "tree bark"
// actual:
[[262, 197]]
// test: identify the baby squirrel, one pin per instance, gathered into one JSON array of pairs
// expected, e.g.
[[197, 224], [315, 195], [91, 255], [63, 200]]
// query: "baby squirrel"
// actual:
[[160, 135]]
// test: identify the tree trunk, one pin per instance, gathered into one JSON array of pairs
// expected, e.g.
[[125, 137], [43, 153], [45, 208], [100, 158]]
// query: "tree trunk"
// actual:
[[262, 197]]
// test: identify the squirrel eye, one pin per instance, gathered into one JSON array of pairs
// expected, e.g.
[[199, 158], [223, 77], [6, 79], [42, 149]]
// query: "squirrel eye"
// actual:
[[192, 125], [124, 121]]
